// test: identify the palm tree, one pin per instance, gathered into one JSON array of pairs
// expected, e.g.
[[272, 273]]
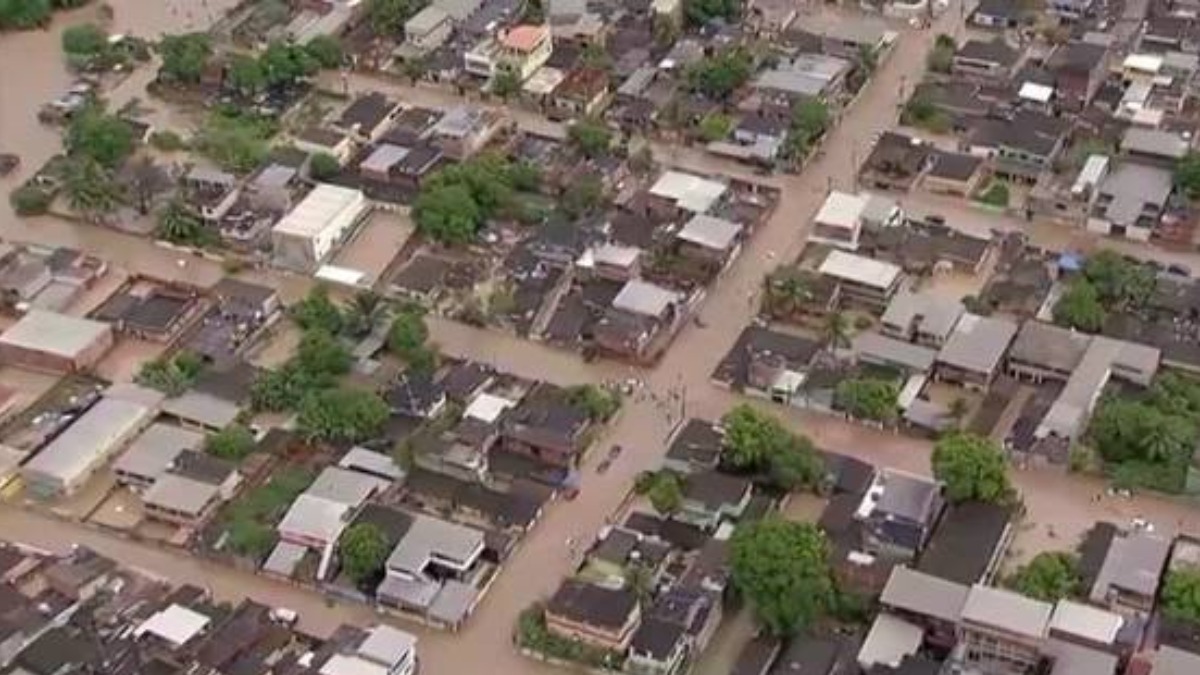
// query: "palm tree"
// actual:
[[90, 188], [365, 311], [787, 292], [178, 225], [1162, 441], [836, 330]]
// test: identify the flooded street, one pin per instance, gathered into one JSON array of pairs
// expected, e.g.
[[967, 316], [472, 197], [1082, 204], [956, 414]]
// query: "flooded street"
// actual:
[[31, 72]]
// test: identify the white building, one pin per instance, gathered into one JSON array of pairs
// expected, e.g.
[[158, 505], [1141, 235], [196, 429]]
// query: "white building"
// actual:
[[308, 234], [70, 459], [840, 220]]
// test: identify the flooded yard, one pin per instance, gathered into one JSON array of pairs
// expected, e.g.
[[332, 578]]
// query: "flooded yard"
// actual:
[[376, 244]]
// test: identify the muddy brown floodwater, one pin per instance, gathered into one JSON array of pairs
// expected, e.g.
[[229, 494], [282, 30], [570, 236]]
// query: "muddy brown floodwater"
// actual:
[[31, 72]]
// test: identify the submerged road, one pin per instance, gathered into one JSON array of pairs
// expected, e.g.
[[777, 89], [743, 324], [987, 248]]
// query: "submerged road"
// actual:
[[541, 561]]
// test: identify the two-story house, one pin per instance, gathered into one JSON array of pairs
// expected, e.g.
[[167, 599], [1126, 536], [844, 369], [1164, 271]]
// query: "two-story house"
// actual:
[[598, 616], [924, 318], [1002, 632], [986, 59], [1078, 68], [974, 351], [898, 514]]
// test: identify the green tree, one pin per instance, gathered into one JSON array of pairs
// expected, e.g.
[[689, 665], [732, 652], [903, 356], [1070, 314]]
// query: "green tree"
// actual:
[[178, 225], [664, 490], [787, 292], [1187, 175], [284, 64], [1118, 280], [868, 398], [234, 443], [782, 569], [721, 74], [172, 376], [320, 354], [408, 333], [715, 127], [972, 467], [184, 57], [325, 50], [323, 166], [533, 12], [234, 142], [1080, 308], [599, 404], [105, 138], [941, 57], [24, 14], [795, 465], [86, 40], [245, 74], [387, 17], [341, 415], [366, 309], [810, 120], [592, 138], [506, 84], [1051, 576], [30, 200], [364, 550], [1180, 599], [835, 330], [448, 214], [282, 389], [318, 312], [751, 437], [91, 189], [756, 441], [700, 12]]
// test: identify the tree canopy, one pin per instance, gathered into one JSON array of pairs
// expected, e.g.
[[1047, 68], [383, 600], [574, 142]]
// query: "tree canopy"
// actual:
[[318, 312], [341, 415], [1187, 175], [85, 39], [782, 569], [323, 166], [457, 200], [972, 467], [1180, 599], [868, 398], [387, 17], [326, 50], [364, 550], [99, 136], [236, 142], [171, 375], [1050, 576], [719, 75], [24, 14], [184, 57], [1080, 308], [758, 442], [663, 488], [592, 138], [233, 443], [700, 12], [320, 352], [179, 225], [599, 403], [810, 120]]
